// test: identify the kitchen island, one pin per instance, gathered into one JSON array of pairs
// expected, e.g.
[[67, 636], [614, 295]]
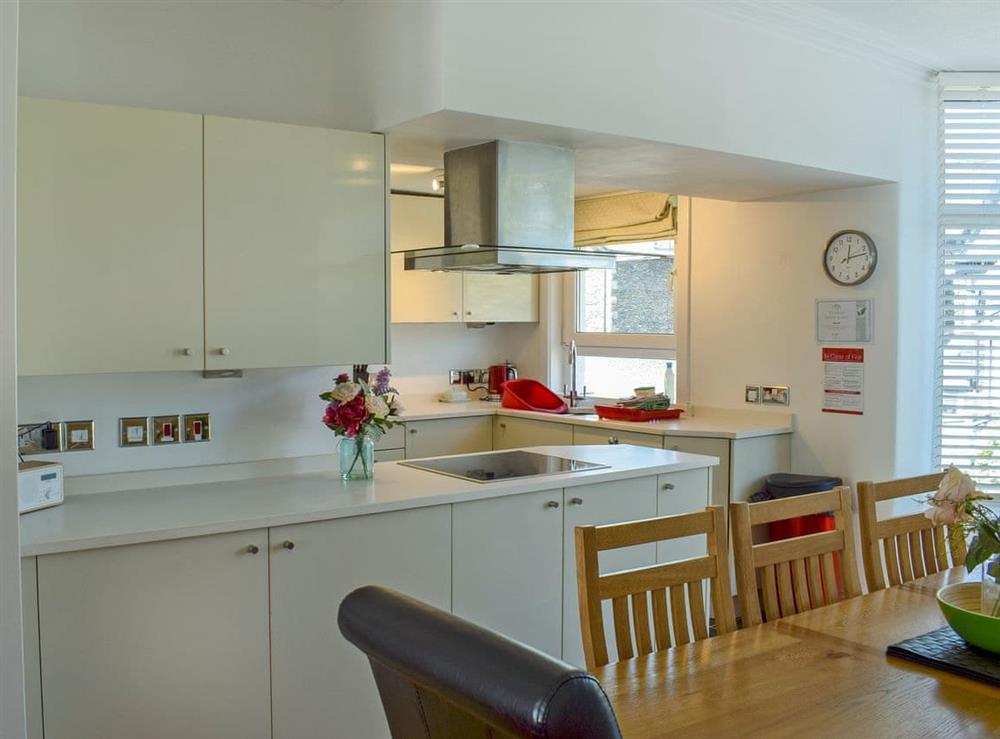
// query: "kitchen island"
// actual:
[[152, 602]]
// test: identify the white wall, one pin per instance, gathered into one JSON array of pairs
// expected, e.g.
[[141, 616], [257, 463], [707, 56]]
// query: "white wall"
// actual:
[[11, 664], [756, 273]]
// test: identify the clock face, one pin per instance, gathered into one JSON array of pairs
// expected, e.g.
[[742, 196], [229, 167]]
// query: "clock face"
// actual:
[[850, 257]]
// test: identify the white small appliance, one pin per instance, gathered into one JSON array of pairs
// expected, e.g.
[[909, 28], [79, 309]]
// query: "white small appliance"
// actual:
[[39, 485]]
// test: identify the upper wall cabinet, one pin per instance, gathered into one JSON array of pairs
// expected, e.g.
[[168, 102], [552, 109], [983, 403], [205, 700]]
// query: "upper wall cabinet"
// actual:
[[295, 246], [449, 297], [109, 239]]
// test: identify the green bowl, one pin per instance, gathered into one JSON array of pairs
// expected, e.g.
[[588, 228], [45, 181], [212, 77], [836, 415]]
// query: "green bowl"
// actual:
[[961, 605]]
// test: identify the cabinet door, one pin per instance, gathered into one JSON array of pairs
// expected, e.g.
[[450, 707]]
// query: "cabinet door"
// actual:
[[157, 641], [591, 435], [419, 296], [449, 436], [500, 298], [507, 566], [601, 503], [682, 492], [295, 247], [712, 448], [321, 684], [109, 242], [513, 433]]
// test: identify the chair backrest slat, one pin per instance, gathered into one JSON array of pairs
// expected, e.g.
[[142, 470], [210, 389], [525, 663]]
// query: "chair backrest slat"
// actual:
[[660, 605], [898, 549], [798, 573]]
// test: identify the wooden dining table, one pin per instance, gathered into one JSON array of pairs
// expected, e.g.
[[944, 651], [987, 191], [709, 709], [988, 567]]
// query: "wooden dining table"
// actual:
[[820, 673]]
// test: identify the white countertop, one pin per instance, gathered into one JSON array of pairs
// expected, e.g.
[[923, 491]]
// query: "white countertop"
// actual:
[[708, 422], [156, 514]]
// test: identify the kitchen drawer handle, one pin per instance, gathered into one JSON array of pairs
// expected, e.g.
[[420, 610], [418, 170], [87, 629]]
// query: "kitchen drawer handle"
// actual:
[[668, 486], [576, 501], [188, 352], [224, 351], [412, 431], [288, 545], [253, 549], [552, 504], [503, 425], [613, 440]]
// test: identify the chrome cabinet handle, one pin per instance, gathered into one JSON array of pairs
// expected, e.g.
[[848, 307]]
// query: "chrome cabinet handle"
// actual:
[[502, 425], [412, 431], [576, 501], [224, 351], [613, 440], [668, 486], [253, 549], [289, 545], [552, 504], [187, 352]]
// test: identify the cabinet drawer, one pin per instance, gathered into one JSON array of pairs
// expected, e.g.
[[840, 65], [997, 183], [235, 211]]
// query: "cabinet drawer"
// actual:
[[393, 439], [590, 435], [448, 436], [513, 433], [712, 448], [681, 492]]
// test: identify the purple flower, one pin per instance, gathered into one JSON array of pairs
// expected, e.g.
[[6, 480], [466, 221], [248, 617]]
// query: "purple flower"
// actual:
[[382, 381]]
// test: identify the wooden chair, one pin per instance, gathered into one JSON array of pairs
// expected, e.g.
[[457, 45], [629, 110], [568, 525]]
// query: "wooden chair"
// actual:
[[912, 545], [627, 586], [800, 573]]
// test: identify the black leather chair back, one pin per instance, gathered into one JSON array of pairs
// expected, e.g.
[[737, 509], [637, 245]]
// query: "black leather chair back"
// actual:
[[441, 677]]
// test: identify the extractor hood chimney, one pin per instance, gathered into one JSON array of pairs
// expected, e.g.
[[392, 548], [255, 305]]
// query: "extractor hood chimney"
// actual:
[[509, 209]]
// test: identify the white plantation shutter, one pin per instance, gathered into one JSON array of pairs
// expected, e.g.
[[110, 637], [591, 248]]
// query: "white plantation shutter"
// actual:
[[968, 286]]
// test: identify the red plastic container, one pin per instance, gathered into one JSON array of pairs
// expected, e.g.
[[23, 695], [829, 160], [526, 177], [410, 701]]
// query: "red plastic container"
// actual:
[[621, 413], [777, 530], [531, 395]]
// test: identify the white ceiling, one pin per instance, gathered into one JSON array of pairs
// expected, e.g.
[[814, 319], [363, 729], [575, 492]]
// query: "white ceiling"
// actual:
[[938, 35]]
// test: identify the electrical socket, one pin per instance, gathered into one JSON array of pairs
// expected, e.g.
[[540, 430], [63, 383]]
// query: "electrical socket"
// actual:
[[45, 439], [78, 435]]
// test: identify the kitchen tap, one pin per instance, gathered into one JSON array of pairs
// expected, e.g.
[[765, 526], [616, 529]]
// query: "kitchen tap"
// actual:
[[571, 394]]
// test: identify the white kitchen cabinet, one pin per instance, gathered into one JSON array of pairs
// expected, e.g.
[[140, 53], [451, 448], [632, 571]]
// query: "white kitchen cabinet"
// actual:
[[436, 438], [507, 566], [109, 243], [682, 492], [32, 664], [510, 432], [602, 503], [295, 245], [591, 435], [712, 448], [159, 641], [321, 684], [420, 296], [499, 298]]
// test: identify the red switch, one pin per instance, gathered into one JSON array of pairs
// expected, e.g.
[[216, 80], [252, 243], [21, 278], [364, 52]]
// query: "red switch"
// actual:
[[168, 430], [197, 428]]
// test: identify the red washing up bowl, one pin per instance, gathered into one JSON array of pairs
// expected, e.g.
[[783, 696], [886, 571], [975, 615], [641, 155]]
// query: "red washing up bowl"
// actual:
[[531, 395]]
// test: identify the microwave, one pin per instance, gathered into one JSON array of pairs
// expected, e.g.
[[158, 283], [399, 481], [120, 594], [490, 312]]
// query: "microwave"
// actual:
[[39, 485]]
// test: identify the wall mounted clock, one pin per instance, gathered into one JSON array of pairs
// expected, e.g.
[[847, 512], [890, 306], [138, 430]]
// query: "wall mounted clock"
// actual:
[[850, 257]]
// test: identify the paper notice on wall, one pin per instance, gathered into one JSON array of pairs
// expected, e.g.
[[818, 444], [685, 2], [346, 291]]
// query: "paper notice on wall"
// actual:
[[844, 320], [844, 381]]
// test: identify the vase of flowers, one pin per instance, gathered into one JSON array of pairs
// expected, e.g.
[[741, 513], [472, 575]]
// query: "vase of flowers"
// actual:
[[959, 505], [360, 413]]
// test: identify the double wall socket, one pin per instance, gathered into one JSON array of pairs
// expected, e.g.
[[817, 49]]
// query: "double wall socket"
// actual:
[[468, 376], [49, 437]]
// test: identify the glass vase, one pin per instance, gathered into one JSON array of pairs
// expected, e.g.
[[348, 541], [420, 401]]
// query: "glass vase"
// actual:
[[991, 587], [357, 458]]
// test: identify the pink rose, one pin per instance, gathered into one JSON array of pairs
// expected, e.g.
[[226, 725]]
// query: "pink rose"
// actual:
[[956, 487], [942, 514], [351, 415]]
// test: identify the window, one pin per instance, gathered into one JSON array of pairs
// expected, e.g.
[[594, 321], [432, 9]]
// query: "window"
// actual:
[[623, 322], [968, 359]]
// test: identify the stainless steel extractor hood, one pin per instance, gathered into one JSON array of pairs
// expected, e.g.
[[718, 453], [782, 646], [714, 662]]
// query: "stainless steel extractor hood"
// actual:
[[509, 209]]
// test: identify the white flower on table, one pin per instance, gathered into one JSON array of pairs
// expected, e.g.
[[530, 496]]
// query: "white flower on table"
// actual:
[[345, 391], [376, 406]]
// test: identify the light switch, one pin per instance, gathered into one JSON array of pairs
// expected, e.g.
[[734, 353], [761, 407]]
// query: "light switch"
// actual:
[[134, 431], [197, 427], [166, 429], [79, 435]]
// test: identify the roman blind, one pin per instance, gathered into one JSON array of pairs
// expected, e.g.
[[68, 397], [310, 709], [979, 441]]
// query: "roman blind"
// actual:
[[968, 284], [625, 218]]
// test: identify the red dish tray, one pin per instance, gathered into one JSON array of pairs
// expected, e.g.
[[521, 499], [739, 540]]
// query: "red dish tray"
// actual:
[[619, 413]]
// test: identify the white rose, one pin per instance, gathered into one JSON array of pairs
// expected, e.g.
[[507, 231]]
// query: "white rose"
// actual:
[[345, 391], [955, 486], [376, 406]]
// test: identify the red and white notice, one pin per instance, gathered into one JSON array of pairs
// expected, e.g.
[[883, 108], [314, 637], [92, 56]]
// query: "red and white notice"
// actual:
[[844, 381]]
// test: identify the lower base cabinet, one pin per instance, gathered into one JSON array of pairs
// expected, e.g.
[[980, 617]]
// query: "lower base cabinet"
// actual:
[[32, 658], [507, 566], [321, 684], [158, 641]]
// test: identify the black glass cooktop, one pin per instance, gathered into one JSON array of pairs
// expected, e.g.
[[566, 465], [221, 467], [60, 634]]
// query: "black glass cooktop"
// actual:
[[502, 466]]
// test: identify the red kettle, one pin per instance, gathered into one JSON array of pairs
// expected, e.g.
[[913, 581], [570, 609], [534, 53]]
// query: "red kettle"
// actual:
[[498, 375]]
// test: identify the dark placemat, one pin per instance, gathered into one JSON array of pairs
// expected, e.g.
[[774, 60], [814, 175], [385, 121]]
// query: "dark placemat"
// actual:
[[943, 649]]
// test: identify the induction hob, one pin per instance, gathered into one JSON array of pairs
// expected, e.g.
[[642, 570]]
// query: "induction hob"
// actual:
[[502, 466]]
